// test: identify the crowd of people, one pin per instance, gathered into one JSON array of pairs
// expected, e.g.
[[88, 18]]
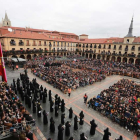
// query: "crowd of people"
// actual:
[[13, 115], [121, 103]]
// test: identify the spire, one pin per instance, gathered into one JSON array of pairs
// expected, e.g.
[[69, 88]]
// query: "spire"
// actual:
[[6, 17], [130, 34]]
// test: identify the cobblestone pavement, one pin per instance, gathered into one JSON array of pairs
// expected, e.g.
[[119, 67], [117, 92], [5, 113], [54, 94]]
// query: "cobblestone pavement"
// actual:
[[76, 102]]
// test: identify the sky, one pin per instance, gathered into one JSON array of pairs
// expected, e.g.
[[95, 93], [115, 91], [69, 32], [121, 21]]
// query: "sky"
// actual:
[[96, 18]]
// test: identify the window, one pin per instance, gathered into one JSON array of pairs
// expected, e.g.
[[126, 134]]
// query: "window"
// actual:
[[45, 43], [13, 49], [104, 46], [114, 47], [39, 43], [57, 43], [138, 48], [68, 44], [109, 47], [127, 40], [21, 48], [53, 43], [12, 42], [27, 42], [120, 47]]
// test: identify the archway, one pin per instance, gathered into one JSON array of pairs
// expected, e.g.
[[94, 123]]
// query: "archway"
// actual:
[[90, 55], [113, 59], [14, 56], [98, 56], [94, 56], [57, 54], [64, 54], [79, 53], [86, 55], [131, 60], [108, 58], [28, 56], [22, 56], [53, 54], [35, 55], [119, 59], [124, 59], [83, 54], [49, 53], [45, 54], [137, 62], [103, 57]]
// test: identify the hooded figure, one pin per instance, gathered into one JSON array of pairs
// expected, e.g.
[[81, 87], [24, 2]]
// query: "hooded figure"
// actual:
[[44, 97], [60, 132], [62, 105], [50, 95], [52, 126], [120, 138], [75, 123], [56, 110], [39, 108], [34, 106], [83, 137], [67, 130], [63, 119], [51, 106], [93, 127], [70, 113], [81, 118], [45, 118], [106, 134]]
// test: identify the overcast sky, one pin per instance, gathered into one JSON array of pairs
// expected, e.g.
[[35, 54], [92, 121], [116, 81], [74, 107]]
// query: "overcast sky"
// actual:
[[97, 18]]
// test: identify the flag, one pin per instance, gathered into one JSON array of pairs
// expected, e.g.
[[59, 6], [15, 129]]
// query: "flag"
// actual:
[[2, 65]]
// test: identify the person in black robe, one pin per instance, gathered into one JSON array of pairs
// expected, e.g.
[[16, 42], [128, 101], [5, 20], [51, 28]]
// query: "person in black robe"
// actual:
[[45, 118], [51, 106], [29, 101], [75, 123], [106, 134], [52, 126], [41, 88], [40, 92], [63, 119], [71, 138], [39, 108], [120, 138], [50, 95], [62, 106], [83, 137], [56, 110], [81, 118], [59, 102], [60, 132], [67, 130], [22, 95], [45, 90], [70, 113], [44, 97], [56, 101], [93, 127], [34, 106]]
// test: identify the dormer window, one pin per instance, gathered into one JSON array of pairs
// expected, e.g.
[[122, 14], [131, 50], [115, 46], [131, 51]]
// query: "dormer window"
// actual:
[[127, 40]]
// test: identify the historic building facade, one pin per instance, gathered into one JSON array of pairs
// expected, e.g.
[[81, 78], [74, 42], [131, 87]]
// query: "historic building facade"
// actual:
[[28, 42]]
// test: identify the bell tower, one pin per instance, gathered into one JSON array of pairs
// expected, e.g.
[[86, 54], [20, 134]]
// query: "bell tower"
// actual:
[[6, 21]]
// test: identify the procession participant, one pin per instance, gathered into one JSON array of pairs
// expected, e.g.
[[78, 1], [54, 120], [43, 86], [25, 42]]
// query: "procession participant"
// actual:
[[70, 113], [93, 127], [106, 134], [75, 123], [62, 105], [60, 132], [67, 129], [81, 118], [63, 118], [52, 125], [45, 118]]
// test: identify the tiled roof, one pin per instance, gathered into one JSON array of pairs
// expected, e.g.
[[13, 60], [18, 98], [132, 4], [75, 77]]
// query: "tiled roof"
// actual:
[[34, 35], [102, 40], [83, 35], [3, 31], [119, 40], [137, 40]]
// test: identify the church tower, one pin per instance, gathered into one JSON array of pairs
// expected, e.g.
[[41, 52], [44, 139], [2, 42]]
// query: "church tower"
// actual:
[[6, 21]]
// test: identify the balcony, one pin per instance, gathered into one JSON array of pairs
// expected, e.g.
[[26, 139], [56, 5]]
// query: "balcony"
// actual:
[[120, 48], [28, 44], [39, 44], [126, 49], [12, 44], [109, 47], [125, 55], [138, 55], [114, 48], [133, 49], [34, 44], [131, 55]]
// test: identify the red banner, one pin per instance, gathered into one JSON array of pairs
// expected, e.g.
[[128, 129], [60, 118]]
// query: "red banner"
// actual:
[[2, 65]]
